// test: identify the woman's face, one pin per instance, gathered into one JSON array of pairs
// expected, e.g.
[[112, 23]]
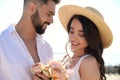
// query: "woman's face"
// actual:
[[76, 37]]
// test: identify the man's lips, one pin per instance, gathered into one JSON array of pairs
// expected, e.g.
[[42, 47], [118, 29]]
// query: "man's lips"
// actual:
[[45, 26]]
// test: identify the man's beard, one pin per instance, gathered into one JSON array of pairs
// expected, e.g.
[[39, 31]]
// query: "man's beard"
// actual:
[[37, 23], [39, 29]]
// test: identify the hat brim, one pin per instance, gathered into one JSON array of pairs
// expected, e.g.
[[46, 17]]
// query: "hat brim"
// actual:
[[67, 11]]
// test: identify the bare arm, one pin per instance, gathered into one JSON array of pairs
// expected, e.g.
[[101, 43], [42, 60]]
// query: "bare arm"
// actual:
[[89, 69]]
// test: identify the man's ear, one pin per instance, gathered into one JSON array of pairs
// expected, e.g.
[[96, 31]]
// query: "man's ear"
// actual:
[[32, 7]]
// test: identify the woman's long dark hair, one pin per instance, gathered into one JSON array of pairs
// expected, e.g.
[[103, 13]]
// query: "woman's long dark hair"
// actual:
[[92, 36]]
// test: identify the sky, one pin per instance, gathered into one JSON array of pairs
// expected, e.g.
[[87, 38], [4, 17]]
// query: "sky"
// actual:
[[11, 12]]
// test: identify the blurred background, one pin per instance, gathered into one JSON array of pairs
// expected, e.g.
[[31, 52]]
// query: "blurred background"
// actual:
[[11, 11]]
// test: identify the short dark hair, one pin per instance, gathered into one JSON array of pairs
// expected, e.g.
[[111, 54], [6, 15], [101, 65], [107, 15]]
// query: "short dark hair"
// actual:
[[42, 1], [45, 1]]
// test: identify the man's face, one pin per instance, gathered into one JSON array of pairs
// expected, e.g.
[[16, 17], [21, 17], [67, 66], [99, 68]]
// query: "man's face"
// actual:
[[43, 17]]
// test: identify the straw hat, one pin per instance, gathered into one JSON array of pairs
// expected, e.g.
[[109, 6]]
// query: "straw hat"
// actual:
[[67, 11]]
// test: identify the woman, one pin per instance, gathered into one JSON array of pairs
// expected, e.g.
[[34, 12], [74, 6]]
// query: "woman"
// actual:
[[88, 36]]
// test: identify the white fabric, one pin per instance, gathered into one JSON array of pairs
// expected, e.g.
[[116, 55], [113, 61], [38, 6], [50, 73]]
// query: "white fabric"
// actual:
[[73, 73], [15, 60]]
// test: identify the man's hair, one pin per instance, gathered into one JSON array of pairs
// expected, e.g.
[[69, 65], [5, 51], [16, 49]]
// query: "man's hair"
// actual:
[[41, 1]]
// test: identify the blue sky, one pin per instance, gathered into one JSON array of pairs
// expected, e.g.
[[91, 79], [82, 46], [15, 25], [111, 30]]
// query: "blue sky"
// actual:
[[11, 11]]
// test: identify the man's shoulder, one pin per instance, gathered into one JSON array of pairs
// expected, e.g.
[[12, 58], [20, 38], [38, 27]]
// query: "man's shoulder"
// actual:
[[7, 30], [5, 33]]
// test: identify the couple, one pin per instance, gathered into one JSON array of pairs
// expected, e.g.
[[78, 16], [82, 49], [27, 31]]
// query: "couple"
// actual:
[[21, 45]]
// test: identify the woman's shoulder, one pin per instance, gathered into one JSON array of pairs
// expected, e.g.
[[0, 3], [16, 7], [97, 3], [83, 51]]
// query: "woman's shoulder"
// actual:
[[90, 65], [89, 60]]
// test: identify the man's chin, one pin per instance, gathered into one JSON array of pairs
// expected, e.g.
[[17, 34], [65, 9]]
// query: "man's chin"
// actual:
[[40, 32]]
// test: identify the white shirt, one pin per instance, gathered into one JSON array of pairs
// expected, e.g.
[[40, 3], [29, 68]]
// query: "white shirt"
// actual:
[[15, 60], [74, 72]]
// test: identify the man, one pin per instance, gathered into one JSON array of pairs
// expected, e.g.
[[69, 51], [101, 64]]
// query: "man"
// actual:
[[21, 45]]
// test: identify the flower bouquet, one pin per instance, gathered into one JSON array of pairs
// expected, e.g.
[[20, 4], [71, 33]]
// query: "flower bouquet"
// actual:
[[54, 70]]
